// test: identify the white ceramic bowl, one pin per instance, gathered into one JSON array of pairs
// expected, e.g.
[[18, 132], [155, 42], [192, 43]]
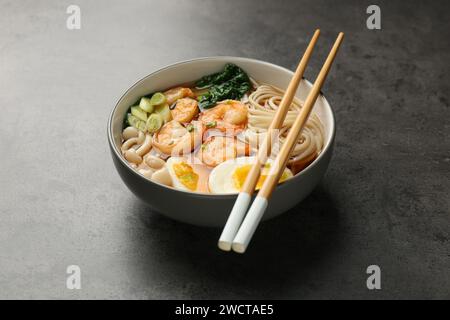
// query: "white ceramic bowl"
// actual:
[[206, 209]]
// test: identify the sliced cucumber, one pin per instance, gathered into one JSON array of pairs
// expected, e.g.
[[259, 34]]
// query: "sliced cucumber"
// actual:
[[136, 122], [164, 111], [154, 122], [158, 98], [146, 105], [139, 113]]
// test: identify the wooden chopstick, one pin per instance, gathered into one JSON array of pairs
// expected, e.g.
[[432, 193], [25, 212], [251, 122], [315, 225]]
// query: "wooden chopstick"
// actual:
[[259, 205], [243, 200]]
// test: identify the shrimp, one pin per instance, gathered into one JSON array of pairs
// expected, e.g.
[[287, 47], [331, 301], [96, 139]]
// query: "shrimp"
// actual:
[[228, 116], [185, 110], [174, 94], [175, 139], [217, 149]]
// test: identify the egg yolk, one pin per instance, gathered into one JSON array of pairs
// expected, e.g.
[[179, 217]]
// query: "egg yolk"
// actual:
[[186, 175], [240, 174]]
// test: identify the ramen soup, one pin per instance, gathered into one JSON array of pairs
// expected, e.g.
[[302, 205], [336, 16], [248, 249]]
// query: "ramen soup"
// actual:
[[203, 136]]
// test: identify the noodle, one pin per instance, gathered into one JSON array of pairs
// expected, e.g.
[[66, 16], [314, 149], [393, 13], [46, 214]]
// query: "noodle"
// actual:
[[262, 105]]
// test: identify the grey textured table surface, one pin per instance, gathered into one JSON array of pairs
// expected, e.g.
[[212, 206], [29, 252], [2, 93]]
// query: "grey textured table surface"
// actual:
[[384, 201]]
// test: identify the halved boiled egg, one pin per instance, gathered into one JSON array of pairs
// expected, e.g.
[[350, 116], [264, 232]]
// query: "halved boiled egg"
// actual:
[[186, 175], [229, 176]]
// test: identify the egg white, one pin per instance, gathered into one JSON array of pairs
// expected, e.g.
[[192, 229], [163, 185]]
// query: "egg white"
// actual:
[[175, 181], [221, 177]]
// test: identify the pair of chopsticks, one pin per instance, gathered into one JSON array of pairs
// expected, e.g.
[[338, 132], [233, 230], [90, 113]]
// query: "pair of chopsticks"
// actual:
[[238, 231]]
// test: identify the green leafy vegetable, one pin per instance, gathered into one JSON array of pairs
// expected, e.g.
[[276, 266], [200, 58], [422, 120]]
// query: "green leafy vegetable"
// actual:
[[230, 71], [231, 83]]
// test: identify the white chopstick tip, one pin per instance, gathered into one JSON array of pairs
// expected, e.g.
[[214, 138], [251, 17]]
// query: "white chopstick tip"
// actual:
[[248, 227], [239, 247], [224, 245], [234, 221]]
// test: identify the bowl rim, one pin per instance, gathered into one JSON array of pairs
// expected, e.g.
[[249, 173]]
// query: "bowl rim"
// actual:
[[285, 184]]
